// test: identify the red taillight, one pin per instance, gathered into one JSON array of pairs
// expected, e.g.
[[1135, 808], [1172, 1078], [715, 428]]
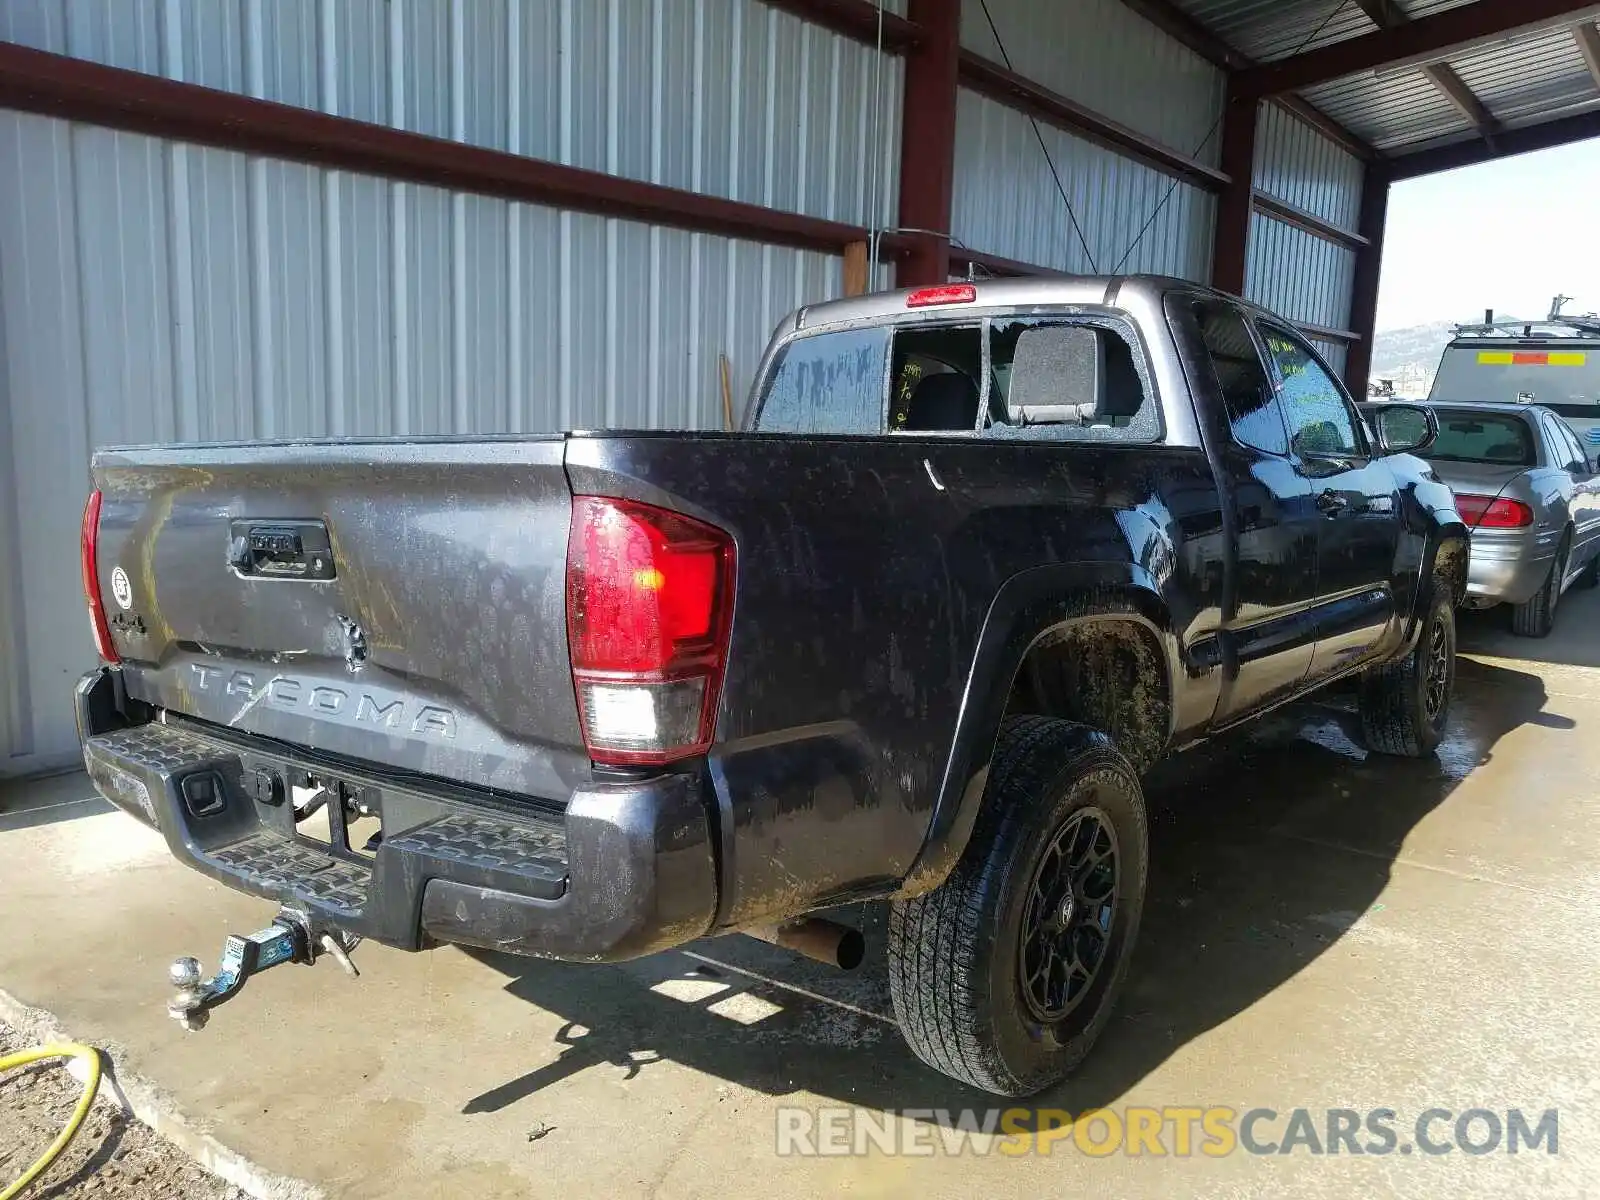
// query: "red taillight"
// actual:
[[1489, 512], [649, 602], [89, 548], [950, 293]]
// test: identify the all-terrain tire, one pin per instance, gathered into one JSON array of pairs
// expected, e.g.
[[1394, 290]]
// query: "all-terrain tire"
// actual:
[[955, 954], [1405, 705], [1536, 616]]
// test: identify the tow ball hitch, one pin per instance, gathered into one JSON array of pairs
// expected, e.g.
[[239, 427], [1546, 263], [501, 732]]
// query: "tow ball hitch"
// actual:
[[290, 938]]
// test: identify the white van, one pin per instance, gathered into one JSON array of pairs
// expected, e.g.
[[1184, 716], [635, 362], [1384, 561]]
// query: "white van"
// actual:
[[1561, 373]]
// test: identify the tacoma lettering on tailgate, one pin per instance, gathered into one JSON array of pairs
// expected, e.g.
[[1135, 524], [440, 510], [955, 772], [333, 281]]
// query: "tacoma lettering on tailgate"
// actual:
[[385, 710]]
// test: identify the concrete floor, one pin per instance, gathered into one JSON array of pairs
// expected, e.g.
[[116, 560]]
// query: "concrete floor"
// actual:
[[1323, 930]]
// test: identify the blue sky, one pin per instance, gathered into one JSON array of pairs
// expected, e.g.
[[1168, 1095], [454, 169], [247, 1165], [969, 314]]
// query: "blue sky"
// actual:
[[1506, 235]]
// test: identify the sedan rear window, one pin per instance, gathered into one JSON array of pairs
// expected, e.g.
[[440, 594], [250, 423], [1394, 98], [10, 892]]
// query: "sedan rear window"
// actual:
[[1484, 438]]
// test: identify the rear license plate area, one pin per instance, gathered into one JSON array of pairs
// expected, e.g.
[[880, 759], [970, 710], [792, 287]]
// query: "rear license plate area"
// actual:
[[344, 818]]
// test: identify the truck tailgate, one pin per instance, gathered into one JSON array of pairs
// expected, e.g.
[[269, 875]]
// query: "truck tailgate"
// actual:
[[397, 602]]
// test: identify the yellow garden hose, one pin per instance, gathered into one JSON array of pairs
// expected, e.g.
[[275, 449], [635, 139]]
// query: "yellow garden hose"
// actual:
[[90, 1057]]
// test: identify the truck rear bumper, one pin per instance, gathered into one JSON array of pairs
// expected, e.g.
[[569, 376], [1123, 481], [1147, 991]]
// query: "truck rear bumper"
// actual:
[[625, 869]]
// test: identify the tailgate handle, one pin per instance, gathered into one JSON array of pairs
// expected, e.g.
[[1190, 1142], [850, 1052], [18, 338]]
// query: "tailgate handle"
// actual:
[[281, 549]]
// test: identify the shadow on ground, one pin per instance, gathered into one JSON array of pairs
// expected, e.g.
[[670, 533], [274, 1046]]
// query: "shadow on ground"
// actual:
[[44, 800], [1572, 642], [1265, 849]]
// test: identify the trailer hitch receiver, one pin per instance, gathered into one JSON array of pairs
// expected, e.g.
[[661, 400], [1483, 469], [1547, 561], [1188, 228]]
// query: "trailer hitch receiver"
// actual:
[[290, 938]]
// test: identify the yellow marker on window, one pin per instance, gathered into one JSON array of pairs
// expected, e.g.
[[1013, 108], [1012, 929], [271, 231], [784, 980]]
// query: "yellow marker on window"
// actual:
[[1494, 358], [1567, 358]]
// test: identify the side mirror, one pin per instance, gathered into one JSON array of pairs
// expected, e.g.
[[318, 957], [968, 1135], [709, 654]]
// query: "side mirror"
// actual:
[[1405, 428]]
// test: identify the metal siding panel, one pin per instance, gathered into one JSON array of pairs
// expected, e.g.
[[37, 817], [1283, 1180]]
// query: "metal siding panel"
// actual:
[[537, 95], [1006, 200], [218, 184], [1298, 275], [430, 368], [119, 33], [41, 24], [1298, 165], [120, 206], [46, 639], [362, 385], [537, 405], [481, 356], [1106, 57], [731, 97]]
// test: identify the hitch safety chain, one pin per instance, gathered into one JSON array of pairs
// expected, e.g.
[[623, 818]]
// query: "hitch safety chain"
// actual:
[[290, 938]]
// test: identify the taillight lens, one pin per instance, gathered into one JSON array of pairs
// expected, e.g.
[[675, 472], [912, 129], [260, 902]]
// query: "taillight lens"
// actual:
[[649, 606], [89, 549], [1489, 512]]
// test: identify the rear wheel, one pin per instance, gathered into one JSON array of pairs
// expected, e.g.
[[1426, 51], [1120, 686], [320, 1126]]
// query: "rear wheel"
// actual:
[[1404, 706], [1537, 616], [1005, 975]]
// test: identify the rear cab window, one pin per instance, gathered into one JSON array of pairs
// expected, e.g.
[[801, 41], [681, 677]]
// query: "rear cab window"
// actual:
[[1072, 376]]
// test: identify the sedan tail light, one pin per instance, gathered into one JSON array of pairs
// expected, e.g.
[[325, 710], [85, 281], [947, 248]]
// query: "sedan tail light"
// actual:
[[89, 551], [649, 609], [1491, 512]]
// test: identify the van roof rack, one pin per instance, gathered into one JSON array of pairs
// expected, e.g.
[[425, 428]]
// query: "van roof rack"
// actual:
[[1557, 324]]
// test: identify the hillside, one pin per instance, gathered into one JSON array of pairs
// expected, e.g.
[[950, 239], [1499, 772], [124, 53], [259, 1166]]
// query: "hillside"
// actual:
[[1410, 356]]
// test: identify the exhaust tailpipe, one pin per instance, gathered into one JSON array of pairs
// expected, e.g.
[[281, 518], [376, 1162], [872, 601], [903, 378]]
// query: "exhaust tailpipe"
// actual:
[[818, 939]]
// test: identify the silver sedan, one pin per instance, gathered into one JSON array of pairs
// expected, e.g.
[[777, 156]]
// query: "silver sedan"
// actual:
[[1525, 485]]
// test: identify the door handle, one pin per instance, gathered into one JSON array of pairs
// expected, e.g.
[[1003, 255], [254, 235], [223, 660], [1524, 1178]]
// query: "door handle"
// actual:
[[1332, 503]]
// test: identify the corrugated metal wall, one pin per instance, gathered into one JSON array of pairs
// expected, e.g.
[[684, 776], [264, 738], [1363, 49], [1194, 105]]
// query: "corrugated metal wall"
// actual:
[[154, 291], [1298, 274], [1299, 166], [1106, 57], [1102, 55], [1133, 218], [728, 97]]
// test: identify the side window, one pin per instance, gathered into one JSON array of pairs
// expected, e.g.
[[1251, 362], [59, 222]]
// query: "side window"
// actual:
[[1066, 380], [935, 380], [1320, 422], [1580, 456], [1252, 404], [1564, 447], [827, 383]]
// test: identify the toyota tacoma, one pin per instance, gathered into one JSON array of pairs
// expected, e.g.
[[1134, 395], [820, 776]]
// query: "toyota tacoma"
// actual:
[[979, 556]]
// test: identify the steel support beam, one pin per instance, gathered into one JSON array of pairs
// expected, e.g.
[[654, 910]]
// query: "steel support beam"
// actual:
[[928, 140], [1291, 214], [1416, 41], [1387, 15], [1587, 35], [1230, 247], [1560, 132], [1364, 291], [857, 19]]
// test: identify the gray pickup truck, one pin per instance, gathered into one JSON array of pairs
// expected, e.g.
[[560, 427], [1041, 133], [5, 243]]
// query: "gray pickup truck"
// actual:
[[981, 554]]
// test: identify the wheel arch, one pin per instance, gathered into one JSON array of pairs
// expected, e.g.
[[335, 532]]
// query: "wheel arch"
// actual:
[[1033, 610]]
